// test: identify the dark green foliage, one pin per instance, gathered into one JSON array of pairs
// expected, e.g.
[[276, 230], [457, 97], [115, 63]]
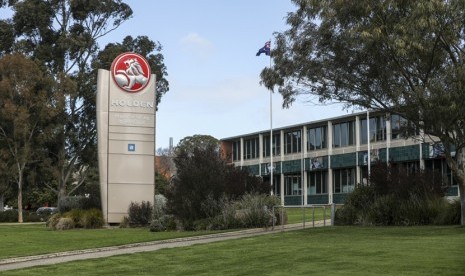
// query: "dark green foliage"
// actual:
[[397, 57], [69, 203], [163, 223], [92, 219], [249, 211], [204, 181], [12, 216], [61, 38], [398, 197], [140, 214], [76, 218], [9, 216]]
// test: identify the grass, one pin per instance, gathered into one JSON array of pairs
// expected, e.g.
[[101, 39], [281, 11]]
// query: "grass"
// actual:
[[318, 251], [36, 239], [297, 215]]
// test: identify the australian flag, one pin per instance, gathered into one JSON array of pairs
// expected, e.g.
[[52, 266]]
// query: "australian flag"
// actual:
[[265, 49]]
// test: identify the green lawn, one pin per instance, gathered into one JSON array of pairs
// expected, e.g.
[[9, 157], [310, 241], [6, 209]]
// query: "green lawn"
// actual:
[[297, 215], [317, 251], [35, 239]]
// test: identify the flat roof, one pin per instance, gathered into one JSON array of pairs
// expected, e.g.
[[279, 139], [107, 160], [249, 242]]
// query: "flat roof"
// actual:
[[297, 125]]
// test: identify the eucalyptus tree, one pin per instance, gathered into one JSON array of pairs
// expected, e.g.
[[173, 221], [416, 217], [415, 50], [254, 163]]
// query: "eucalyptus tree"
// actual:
[[402, 57], [62, 35], [27, 108]]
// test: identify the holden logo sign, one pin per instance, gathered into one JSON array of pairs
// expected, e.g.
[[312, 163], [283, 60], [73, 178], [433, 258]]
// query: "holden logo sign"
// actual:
[[131, 72]]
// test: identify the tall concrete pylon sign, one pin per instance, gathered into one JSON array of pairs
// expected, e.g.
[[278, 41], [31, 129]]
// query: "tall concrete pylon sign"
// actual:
[[126, 104]]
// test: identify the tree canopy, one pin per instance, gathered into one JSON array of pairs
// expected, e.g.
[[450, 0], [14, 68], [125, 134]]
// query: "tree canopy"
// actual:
[[27, 111], [402, 57], [61, 37]]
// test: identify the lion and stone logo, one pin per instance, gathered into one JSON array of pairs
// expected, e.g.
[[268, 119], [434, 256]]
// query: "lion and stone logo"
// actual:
[[131, 72]]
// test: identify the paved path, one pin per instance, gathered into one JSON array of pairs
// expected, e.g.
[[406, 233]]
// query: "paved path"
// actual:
[[61, 257]]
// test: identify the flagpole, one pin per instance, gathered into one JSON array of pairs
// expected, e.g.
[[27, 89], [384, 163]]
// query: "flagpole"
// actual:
[[368, 145], [271, 133]]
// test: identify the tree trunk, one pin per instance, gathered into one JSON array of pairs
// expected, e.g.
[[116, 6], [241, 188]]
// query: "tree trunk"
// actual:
[[2, 207], [20, 199], [462, 203], [458, 170], [61, 195]]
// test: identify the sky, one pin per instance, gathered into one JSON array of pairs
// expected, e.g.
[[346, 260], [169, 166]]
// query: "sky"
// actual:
[[210, 47]]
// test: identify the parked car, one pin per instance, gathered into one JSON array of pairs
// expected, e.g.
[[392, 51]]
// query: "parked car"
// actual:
[[46, 211]]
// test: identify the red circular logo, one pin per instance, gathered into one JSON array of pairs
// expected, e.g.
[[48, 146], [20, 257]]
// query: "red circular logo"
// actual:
[[131, 72]]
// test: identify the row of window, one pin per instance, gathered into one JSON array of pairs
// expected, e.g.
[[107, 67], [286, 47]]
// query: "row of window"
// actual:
[[344, 179], [343, 135], [343, 182]]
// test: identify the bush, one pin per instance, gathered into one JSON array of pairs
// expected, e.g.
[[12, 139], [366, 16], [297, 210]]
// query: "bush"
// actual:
[[69, 203], [280, 217], [255, 210], [450, 214], [53, 221], [75, 215], [140, 214], [92, 219], [347, 215], [163, 223], [157, 226], [64, 224], [12, 216], [124, 222], [383, 211], [9, 216], [89, 219]]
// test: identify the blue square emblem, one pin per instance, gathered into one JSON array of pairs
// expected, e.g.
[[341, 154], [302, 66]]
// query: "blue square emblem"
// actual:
[[131, 147]]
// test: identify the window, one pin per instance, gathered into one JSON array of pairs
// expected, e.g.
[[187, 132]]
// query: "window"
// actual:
[[343, 180], [400, 127], [317, 183], [251, 148], [276, 145], [292, 142], [343, 134], [440, 166], [377, 130], [292, 185], [316, 138], [236, 150]]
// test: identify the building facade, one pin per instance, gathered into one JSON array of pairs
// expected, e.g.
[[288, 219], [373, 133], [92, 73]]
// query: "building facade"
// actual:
[[321, 162]]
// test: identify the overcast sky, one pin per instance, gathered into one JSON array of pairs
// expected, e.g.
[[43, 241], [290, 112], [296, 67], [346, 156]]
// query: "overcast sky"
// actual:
[[209, 48]]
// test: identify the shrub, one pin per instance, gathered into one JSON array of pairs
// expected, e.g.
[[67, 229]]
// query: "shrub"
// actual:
[[53, 221], [255, 210], [280, 216], [124, 222], [64, 224], [156, 226], [382, 211], [140, 214], [163, 223], [75, 215], [397, 197], [159, 206], [69, 203], [9, 216], [92, 219], [347, 215], [448, 213], [89, 219]]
